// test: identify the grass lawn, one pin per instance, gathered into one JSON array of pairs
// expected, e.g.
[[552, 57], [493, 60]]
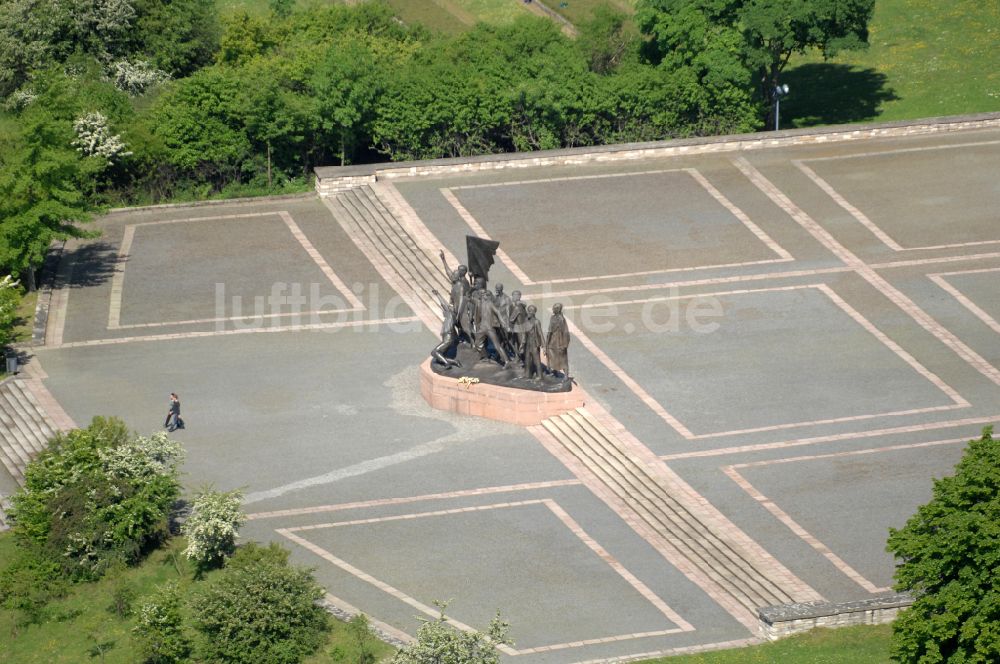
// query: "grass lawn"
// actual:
[[26, 317], [77, 627], [853, 645], [24, 326], [579, 11], [926, 59], [437, 15], [490, 11]]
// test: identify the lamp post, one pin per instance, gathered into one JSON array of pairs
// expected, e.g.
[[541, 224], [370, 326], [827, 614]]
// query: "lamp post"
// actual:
[[779, 92]]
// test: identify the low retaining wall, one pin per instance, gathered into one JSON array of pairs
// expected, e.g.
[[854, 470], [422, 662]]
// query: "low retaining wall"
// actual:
[[777, 622], [331, 180], [505, 404]]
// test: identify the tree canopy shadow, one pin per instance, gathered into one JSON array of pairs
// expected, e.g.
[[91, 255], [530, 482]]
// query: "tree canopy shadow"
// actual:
[[93, 263], [829, 93]]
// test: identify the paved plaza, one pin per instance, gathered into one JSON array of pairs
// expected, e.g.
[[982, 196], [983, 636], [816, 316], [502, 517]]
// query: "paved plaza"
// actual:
[[779, 349]]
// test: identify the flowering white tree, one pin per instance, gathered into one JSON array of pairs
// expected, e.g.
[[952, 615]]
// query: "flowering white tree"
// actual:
[[21, 99], [213, 526], [143, 457], [135, 77], [440, 643], [94, 138]]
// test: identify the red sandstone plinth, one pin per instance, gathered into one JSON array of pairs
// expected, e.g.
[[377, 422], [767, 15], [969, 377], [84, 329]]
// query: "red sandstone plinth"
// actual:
[[506, 404]]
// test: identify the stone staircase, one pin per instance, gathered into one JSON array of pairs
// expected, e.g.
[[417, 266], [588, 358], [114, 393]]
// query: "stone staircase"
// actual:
[[25, 428], [688, 531], [390, 247]]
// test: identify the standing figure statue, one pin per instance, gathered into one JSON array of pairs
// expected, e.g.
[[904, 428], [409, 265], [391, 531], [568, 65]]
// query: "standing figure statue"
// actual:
[[449, 334], [459, 297], [532, 345], [485, 321], [518, 316], [504, 305], [557, 342]]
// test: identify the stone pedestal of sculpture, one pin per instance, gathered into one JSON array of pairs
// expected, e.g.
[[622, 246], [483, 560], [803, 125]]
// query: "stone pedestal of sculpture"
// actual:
[[458, 392]]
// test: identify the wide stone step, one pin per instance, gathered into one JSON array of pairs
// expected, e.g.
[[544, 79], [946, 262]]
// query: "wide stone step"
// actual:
[[15, 429], [427, 254], [15, 449], [380, 238], [25, 413], [25, 428], [11, 461], [378, 210], [755, 583], [411, 277], [38, 419], [718, 558], [692, 541], [395, 240]]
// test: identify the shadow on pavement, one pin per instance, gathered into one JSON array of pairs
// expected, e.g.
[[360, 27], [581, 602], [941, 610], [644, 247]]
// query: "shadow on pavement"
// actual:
[[94, 264]]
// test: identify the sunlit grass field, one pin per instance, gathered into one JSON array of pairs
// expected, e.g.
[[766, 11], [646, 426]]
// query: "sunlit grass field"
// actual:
[[925, 59], [846, 645]]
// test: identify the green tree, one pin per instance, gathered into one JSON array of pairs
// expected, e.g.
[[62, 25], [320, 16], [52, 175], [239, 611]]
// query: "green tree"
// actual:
[[26, 38], [440, 643], [494, 89], [10, 298], [949, 554], [364, 639], [176, 36], [198, 123], [279, 112], [260, 609], [246, 36], [720, 37], [606, 39], [54, 163], [43, 180], [348, 86], [646, 103], [435, 109]]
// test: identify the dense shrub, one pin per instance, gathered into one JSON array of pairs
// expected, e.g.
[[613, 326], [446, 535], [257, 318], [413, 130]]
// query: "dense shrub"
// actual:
[[27, 584], [159, 632], [98, 496], [260, 609]]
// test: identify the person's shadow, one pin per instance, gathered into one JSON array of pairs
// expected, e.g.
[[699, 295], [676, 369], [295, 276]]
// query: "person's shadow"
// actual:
[[823, 93]]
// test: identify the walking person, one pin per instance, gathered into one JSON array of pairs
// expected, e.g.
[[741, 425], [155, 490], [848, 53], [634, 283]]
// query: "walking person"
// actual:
[[174, 420]]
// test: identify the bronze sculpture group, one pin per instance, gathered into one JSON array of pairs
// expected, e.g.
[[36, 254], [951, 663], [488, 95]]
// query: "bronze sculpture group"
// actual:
[[501, 329]]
